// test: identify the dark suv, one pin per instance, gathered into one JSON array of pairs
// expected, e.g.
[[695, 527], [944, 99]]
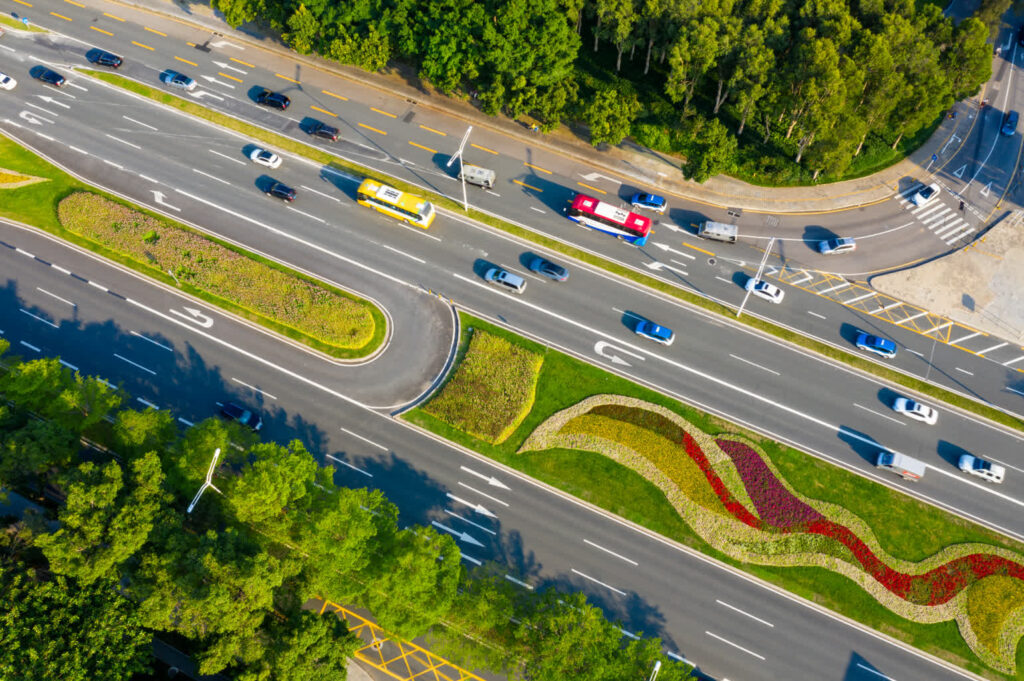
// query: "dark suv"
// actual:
[[108, 59], [233, 411], [328, 132], [274, 100], [51, 77], [281, 191]]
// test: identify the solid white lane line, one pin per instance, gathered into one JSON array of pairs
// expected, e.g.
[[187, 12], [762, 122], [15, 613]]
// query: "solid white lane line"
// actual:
[[364, 439], [135, 364], [734, 645], [212, 177], [229, 158], [54, 295], [610, 552], [348, 465], [467, 520], [39, 319], [156, 343], [252, 388], [866, 295], [964, 371], [744, 612], [483, 494], [958, 341], [399, 252], [125, 142], [68, 365], [878, 413], [597, 581], [820, 316], [519, 582], [754, 364], [994, 347], [30, 346]]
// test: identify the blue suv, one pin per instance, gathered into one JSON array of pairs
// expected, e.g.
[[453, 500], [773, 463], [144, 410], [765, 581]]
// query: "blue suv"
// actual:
[[659, 334], [876, 344], [652, 202]]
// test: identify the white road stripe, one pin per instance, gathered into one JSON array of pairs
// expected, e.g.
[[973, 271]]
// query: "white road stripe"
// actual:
[[230, 158], [820, 316], [734, 645], [61, 269], [148, 403], [38, 318], [994, 347], [411, 257], [308, 215], [125, 142], [866, 295], [938, 328], [803, 279], [913, 316], [597, 581], [253, 388], [348, 465], [889, 306], [326, 196], [877, 413], [483, 494], [960, 235], [212, 177], [467, 520], [134, 364], [30, 346], [145, 125], [366, 440], [744, 612], [68, 365], [836, 288], [54, 295], [519, 582], [610, 552], [958, 341], [744, 359], [1013, 361], [964, 371], [156, 343]]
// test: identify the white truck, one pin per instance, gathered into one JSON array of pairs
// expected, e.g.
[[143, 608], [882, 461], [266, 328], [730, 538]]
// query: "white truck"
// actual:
[[481, 177], [902, 465], [718, 231]]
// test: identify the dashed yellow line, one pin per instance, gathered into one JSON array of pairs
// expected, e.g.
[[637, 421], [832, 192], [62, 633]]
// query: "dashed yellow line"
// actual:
[[147, 28], [489, 151], [221, 73], [323, 111], [383, 113], [292, 80], [331, 94], [528, 186], [192, 63], [145, 47], [420, 146], [543, 170], [190, 44], [699, 249], [101, 31], [364, 125], [22, 2], [591, 187], [109, 15], [436, 132], [60, 16], [243, 63], [76, 4]]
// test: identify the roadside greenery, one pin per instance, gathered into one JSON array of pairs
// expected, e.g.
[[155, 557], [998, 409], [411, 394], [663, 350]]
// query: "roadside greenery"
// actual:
[[323, 317], [908, 530], [124, 561]]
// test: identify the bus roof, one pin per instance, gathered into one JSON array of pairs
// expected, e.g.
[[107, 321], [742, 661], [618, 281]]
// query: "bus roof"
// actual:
[[393, 196], [624, 217]]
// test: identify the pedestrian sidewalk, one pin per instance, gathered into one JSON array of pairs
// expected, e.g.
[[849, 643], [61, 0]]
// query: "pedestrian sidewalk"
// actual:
[[644, 167]]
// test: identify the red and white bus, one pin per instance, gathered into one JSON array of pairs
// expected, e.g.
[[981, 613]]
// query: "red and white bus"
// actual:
[[606, 218]]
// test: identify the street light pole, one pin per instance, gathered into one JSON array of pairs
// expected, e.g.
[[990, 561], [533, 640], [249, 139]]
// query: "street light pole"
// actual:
[[458, 155], [757, 277], [654, 672], [207, 483]]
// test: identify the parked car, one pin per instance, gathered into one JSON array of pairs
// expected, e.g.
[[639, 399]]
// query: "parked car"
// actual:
[[915, 410], [988, 471], [179, 80], [656, 333], [51, 78], [762, 289], [837, 246], [925, 194], [232, 411], [107, 59], [1010, 123], [548, 269], [274, 100], [6, 82], [876, 344], [327, 132], [281, 191], [265, 158], [651, 202]]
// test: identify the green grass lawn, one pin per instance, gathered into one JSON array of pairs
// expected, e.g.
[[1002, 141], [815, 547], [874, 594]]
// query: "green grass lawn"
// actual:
[[906, 528]]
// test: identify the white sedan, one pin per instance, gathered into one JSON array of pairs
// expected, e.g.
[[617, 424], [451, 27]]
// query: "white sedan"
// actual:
[[925, 195], [763, 289], [6, 82], [265, 158], [986, 470], [915, 410]]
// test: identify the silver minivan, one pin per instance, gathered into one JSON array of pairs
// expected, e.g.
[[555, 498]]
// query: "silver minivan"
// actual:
[[505, 280]]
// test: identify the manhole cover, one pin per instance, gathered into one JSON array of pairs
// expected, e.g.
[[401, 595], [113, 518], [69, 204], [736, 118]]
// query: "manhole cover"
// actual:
[[711, 261]]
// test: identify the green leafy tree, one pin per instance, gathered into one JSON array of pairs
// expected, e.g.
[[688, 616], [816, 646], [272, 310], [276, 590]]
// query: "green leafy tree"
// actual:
[[187, 463], [610, 115], [711, 151], [305, 646], [139, 432], [35, 385], [968, 61], [370, 52], [692, 56], [33, 449], [451, 42], [303, 30]]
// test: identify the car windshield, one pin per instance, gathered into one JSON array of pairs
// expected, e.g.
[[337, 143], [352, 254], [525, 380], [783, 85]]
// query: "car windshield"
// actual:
[[980, 465], [266, 155], [926, 192]]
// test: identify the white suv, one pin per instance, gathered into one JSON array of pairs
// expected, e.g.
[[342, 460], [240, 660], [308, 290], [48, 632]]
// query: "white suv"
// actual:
[[988, 471]]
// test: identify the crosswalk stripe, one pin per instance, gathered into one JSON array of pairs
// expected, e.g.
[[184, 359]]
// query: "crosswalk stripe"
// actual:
[[949, 227], [953, 237]]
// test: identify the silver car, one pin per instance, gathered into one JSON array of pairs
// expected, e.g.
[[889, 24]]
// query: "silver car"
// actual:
[[915, 410]]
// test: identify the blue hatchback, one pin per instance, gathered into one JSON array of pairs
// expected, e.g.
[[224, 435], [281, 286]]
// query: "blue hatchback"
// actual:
[[659, 334], [876, 344], [651, 202]]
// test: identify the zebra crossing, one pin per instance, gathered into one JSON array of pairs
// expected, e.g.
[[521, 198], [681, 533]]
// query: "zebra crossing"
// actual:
[[944, 222]]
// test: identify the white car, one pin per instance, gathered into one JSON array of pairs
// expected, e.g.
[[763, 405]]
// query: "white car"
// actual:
[[925, 195], [915, 410], [986, 470], [763, 289], [6, 82], [265, 158]]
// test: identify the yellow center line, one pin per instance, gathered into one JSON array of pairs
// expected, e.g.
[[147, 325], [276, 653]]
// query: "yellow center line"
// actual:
[[101, 31], [591, 187], [323, 111], [22, 2], [543, 170], [477, 146], [60, 16], [187, 61], [190, 44], [286, 78], [76, 4], [383, 113], [420, 146], [221, 73], [331, 94], [147, 47], [115, 18], [699, 249], [147, 28], [528, 186], [364, 125], [436, 132], [243, 63]]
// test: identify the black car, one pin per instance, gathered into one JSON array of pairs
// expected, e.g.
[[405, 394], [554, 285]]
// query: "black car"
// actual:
[[51, 77], [1020, 36], [281, 191], [328, 132], [233, 411], [548, 269], [108, 59], [274, 100]]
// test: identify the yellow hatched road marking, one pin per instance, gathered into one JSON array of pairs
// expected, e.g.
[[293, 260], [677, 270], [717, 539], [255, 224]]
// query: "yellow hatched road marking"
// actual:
[[192, 63], [60, 16], [477, 146], [323, 111], [153, 30], [528, 186], [543, 170], [101, 30], [364, 125], [292, 80], [243, 63], [420, 146], [590, 187], [147, 47], [331, 94], [111, 16], [221, 73], [383, 113], [436, 132]]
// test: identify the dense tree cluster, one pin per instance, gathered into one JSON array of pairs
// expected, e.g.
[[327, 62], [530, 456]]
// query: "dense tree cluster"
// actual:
[[809, 81], [84, 590]]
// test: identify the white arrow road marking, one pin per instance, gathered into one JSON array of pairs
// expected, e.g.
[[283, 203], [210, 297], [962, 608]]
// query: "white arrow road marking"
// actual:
[[34, 119], [601, 346], [195, 316], [663, 266], [159, 198], [211, 79], [467, 520], [227, 66], [54, 100], [203, 93], [47, 111], [479, 508], [491, 480], [461, 536], [672, 250], [594, 176], [225, 43]]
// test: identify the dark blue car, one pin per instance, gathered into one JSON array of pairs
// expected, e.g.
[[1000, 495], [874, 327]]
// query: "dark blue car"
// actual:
[[876, 344], [548, 269], [651, 202], [659, 334]]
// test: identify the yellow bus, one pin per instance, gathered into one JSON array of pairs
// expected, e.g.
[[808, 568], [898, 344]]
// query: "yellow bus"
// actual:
[[389, 200]]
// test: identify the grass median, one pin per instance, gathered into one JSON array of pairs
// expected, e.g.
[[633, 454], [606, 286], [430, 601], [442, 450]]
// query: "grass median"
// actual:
[[286, 143]]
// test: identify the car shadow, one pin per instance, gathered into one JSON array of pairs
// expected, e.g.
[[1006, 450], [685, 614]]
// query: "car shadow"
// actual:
[[950, 453], [862, 444]]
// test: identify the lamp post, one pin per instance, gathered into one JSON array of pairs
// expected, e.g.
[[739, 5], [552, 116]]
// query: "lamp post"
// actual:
[[654, 672], [757, 277], [458, 155], [207, 483]]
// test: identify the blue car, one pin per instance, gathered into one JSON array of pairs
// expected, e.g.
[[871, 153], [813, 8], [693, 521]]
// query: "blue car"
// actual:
[[549, 269], [876, 344], [651, 202], [659, 334]]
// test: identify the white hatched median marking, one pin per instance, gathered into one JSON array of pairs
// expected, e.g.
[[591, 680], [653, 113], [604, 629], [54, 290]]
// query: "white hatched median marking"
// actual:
[[913, 316], [836, 288], [938, 328], [958, 341], [889, 306], [866, 295], [994, 347]]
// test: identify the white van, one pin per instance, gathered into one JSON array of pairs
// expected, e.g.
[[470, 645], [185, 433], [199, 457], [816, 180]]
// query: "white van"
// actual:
[[718, 231], [481, 177], [900, 464], [505, 279]]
